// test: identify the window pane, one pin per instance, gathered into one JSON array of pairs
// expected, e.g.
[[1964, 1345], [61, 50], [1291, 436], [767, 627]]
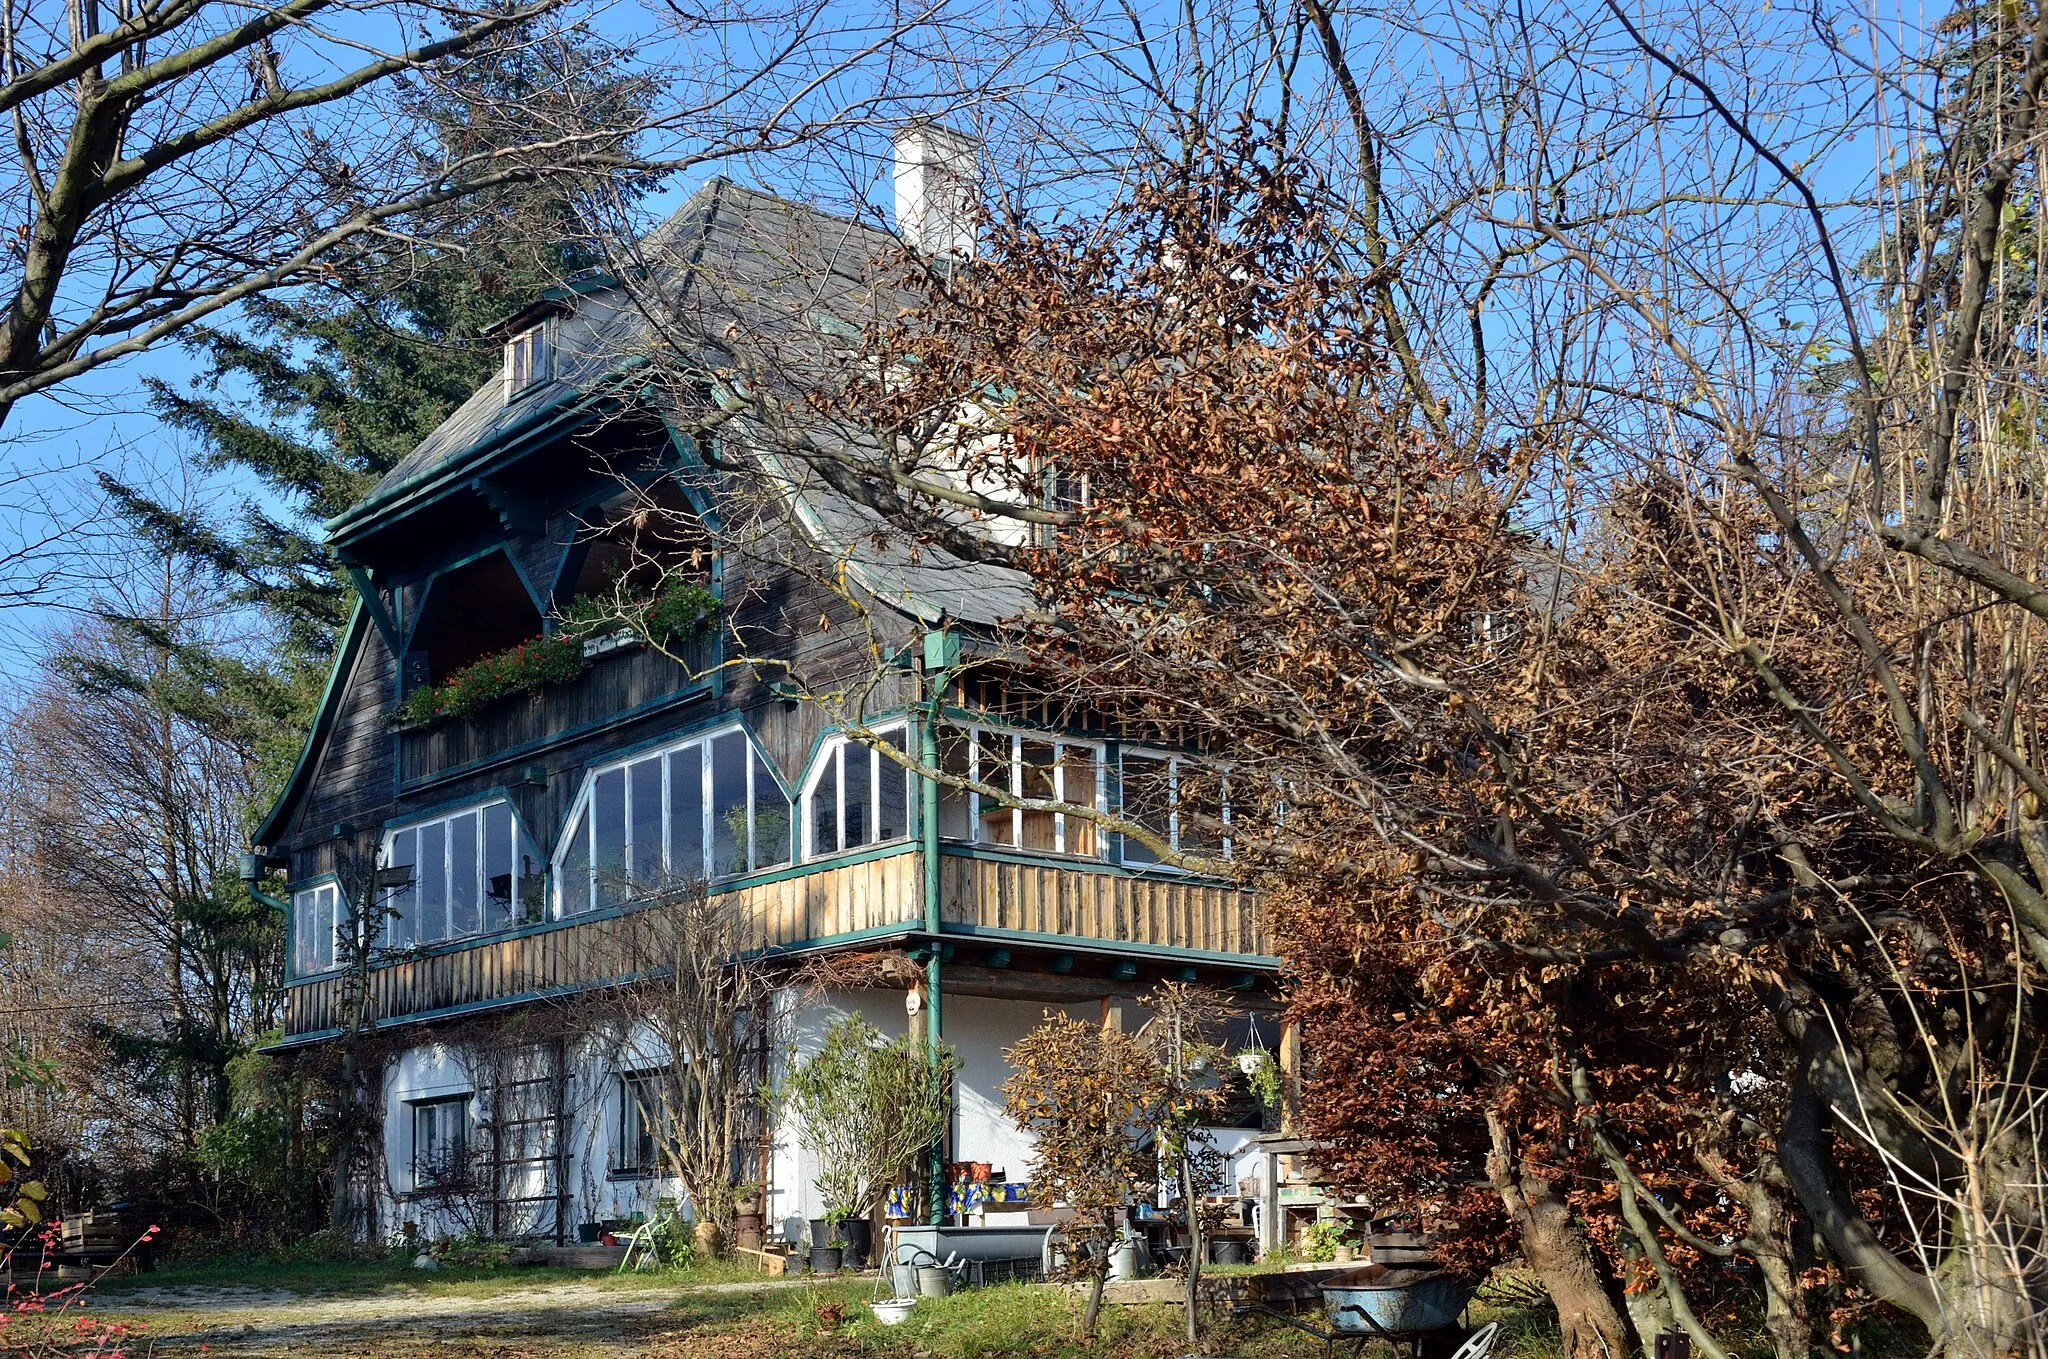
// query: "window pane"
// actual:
[[1036, 771], [771, 817], [686, 812], [893, 816], [1148, 801], [399, 902], [729, 805], [608, 831], [464, 917], [433, 893], [302, 951], [645, 780], [312, 931], [498, 867], [325, 923], [823, 831], [954, 814], [998, 823], [530, 891], [1198, 797], [857, 794], [1077, 787], [572, 885]]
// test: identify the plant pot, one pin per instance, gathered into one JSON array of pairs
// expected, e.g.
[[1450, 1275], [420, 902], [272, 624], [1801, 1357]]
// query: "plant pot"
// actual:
[[893, 1312], [859, 1235], [1227, 1251], [705, 1237], [824, 1259], [934, 1281], [747, 1231], [588, 1232]]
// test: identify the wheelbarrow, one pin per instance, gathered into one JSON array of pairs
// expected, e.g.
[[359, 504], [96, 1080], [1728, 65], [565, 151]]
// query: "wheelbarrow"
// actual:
[[1400, 1306]]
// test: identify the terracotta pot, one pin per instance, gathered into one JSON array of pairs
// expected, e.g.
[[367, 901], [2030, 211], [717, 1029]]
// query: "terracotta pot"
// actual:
[[705, 1235]]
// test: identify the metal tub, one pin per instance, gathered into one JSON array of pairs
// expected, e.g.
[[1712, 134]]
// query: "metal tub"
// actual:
[[1376, 1300]]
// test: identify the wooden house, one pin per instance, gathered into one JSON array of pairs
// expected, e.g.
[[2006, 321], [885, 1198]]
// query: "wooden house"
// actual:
[[503, 842]]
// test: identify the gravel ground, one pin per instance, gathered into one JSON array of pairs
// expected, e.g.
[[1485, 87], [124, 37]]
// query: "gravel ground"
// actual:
[[553, 1320]]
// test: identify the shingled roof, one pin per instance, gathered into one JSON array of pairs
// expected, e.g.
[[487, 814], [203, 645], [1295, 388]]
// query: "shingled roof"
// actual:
[[731, 261]]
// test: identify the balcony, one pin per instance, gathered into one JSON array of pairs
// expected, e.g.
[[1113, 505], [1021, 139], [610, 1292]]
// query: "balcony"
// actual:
[[619, 686], [1008, 899]]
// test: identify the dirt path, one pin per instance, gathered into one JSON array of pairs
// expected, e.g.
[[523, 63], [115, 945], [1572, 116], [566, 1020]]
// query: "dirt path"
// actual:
[[564, 1319]]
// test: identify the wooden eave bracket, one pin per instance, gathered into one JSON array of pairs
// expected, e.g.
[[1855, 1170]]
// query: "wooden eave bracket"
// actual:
[[373, 604], [516, 515]]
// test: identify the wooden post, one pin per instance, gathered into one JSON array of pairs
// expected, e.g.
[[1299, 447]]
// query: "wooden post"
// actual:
[[1290, 1078]]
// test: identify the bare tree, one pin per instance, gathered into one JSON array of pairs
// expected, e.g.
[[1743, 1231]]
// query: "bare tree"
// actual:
[[691, 1023]]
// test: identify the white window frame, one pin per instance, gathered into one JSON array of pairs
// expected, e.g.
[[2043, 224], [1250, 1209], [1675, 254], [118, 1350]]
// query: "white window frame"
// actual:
[[1173, 764], [529, 359], [520, 840], [630, 1109], [831, 759], [1098, 800], [579, 811], [462, 1102], [316, 950]]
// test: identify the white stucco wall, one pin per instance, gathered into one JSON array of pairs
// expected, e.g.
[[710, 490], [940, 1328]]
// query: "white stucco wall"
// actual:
[[978, 1029]]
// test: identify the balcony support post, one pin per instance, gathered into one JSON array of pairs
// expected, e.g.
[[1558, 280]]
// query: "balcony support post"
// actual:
[[941, 654]]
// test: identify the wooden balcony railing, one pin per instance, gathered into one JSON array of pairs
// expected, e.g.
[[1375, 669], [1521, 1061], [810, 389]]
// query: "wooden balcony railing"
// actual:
[[1097, 903], [873, 899], [617, 687]]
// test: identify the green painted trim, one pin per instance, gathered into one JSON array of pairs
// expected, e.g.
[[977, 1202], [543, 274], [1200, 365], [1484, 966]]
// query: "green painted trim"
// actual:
[[323, 724], [366, 595], [1078, 943]]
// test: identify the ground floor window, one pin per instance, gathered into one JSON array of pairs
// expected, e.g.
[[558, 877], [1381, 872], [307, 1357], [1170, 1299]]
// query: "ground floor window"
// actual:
[[642, 1113], [440, 1141]]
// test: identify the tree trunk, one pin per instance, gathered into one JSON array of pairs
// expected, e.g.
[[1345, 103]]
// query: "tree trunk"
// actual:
[[344, 1143], [1196, 1245], [1593, 1328], [1768, 1241], [1094, 1307]]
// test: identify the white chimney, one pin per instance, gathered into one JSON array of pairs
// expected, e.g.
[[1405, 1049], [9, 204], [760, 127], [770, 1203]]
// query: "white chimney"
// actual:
[[938, 190]]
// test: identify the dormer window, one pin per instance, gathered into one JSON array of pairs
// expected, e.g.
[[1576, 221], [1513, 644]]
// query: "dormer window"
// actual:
[[529, 360]]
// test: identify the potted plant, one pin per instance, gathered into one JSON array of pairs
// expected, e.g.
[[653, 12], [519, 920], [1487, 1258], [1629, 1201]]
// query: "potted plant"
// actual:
[[748, 1217], [865, 1106], [828, 1245]]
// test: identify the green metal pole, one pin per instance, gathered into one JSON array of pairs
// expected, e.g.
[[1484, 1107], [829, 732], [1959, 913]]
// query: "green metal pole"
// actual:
[[939, 652]]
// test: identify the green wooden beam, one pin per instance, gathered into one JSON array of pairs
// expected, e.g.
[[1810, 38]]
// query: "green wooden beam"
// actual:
[[373, 604]]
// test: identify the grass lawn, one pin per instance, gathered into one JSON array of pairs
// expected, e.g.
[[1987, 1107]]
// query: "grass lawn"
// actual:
[[242, 1309]]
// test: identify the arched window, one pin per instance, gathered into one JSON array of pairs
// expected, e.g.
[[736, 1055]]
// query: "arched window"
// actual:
[[857, 796], [702, 809]]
